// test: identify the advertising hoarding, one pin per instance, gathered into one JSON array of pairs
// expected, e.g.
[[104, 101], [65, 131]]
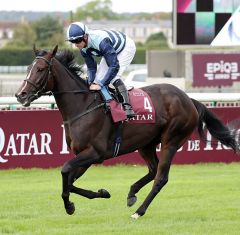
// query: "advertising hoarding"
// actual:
[[215, 69], [30, 139]]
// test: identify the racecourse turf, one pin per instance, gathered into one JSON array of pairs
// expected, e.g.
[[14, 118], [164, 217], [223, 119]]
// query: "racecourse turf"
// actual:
[[198, 199]]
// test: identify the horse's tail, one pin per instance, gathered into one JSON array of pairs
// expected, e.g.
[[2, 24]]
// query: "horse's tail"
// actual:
[[216, 127]]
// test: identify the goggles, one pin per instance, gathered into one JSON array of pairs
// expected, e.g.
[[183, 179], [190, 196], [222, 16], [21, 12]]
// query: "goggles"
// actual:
[[76, 41]]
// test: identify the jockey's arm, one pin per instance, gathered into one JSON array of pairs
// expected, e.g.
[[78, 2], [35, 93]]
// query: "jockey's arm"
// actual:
[[110, 56], [91, 66]]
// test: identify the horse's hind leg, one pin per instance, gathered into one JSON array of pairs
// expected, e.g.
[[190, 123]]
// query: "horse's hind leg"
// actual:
[[149, 155], [173, 138], [161, 178]]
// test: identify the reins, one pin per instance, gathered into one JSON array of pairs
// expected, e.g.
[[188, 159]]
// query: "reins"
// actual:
[[69, 122], [73, 91], [41, 92]]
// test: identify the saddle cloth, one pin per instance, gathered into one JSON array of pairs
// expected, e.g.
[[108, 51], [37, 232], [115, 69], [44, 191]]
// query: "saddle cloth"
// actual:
[[141, 104]]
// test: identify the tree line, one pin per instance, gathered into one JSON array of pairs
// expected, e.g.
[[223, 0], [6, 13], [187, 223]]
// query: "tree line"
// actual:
[[49, 30]]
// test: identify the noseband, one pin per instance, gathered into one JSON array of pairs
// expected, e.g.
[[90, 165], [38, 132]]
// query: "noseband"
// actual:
[[40, 89]]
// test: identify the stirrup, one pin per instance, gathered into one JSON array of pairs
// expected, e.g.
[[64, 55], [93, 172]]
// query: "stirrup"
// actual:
[[129, 111], [130, 114]]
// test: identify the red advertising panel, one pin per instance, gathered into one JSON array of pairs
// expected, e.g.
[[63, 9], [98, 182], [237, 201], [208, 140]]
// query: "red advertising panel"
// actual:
[[32, 139], [36, 139], [215, 69]]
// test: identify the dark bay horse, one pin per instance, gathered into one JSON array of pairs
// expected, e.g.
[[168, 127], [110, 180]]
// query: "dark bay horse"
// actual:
[[90, 131]]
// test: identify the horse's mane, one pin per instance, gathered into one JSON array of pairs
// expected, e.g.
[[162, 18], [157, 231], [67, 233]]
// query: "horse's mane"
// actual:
[[67, 59]]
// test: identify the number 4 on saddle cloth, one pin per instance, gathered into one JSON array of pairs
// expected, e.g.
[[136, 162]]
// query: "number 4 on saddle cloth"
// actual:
[[141, 104]]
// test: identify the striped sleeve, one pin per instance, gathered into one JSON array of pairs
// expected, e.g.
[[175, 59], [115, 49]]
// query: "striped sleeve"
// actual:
[[118, 40]]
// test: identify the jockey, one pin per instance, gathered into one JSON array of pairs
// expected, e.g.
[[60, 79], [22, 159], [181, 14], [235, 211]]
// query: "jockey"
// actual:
[[117, 51]]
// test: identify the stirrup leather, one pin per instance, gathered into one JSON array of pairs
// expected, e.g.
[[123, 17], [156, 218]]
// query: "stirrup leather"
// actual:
[[128, 110]]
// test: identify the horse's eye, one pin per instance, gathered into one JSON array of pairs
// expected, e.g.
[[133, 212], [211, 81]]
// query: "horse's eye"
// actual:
[[39, 69]]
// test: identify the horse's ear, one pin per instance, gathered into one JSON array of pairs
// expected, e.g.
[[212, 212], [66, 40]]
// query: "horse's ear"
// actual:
[[54, 51], [35, 50]]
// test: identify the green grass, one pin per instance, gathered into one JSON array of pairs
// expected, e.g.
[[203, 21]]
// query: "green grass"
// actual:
[[199, 199]]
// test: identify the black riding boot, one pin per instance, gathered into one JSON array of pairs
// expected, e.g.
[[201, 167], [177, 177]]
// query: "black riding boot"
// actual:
[[124, 99]]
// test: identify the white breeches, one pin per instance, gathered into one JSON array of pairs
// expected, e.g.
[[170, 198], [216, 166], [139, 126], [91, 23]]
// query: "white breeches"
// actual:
[[125, 58]]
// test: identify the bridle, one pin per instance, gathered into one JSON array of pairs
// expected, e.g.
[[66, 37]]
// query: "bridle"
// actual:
[[40, 90]]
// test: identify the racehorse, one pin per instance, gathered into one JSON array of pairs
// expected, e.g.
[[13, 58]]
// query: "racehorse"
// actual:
[[90, 131]]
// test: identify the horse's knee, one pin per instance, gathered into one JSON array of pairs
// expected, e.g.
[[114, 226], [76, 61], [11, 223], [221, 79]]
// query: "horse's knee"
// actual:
[[65, 195], [66, 168]]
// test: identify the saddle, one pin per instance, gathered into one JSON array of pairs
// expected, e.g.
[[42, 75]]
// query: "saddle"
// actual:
[[140, 101]]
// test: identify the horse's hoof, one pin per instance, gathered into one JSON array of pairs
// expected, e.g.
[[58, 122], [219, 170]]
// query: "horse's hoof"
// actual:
[[70, 209], [131, 201], [104, 193], [135, 216]]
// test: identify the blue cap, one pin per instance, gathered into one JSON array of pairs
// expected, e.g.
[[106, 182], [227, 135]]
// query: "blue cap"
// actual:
[[76, 30]]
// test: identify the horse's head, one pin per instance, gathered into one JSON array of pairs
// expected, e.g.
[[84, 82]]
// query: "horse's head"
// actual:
[[39, 78]]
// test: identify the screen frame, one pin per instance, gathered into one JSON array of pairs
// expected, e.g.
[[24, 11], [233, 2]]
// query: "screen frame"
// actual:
[[186, 46]]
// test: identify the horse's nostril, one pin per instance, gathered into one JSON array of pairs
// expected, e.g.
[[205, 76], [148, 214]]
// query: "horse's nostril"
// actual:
[[21, 95]]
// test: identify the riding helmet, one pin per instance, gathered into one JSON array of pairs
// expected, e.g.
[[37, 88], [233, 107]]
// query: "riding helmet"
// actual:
[[76, 30]]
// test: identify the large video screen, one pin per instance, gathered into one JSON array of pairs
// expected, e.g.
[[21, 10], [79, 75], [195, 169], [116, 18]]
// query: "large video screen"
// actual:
[[206, 22]]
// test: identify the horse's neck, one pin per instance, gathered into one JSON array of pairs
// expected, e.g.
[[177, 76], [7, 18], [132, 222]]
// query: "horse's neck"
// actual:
[[68, 102], [65, 80]]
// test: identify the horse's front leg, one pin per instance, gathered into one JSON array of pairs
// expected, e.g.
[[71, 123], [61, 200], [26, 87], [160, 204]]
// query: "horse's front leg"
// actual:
[[101, 193], [74, 175], [69, 206], [67, 186], [83, 160]]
